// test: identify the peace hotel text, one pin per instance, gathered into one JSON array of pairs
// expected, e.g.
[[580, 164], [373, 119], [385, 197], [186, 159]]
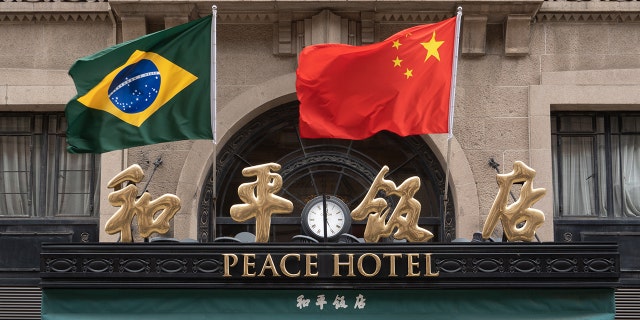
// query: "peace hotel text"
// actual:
[[336, 265]]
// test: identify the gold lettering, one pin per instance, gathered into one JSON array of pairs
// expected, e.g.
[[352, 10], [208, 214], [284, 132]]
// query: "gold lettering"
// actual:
[[247, 264], [260, 200], [337, 264], [310, 264], [268, 264], [402, 222], [145, 209], [392, 262], [429, 272], [283, 265], [361, 268], [412, 265], [228, 265], [519, 220]]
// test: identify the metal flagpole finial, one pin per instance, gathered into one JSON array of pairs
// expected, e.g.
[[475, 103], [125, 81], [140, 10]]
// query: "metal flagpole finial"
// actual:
[[460, 10], [214, 8]]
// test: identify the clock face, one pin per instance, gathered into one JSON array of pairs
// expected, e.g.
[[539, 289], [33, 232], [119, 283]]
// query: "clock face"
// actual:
[[338, 219]]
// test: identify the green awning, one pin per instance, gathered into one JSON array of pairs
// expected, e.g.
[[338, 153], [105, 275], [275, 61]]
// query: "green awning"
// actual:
[[187, 304]]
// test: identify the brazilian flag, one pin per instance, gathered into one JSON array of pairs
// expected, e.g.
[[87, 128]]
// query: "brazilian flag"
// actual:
[[148, 90]]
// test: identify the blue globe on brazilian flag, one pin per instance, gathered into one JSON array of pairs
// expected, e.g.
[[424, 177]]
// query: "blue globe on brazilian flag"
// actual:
[[149, 90]]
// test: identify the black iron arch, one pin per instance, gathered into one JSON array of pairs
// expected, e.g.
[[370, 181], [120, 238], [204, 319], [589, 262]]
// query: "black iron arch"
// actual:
[[310, 167]]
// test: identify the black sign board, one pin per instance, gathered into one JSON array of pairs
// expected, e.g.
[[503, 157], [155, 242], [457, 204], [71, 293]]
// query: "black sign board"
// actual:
[[234, 265]]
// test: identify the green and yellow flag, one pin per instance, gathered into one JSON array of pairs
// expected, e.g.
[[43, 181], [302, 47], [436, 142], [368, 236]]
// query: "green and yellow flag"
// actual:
[[148, 90]]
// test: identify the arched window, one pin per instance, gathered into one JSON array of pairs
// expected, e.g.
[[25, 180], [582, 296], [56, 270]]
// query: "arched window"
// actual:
[[313, 167]]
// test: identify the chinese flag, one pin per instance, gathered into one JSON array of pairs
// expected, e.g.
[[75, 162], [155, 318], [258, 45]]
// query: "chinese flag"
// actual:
[[401, 84]]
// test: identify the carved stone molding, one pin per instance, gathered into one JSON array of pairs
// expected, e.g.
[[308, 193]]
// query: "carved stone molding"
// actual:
[[54, 17], [249, 18], [326, 27], [474, 35], [516, 42], [588, 17], [412, 17]]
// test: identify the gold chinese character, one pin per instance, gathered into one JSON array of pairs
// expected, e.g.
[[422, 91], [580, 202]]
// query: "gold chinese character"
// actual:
[[260, 200], [519, 221], [404, 217], [145, 209]]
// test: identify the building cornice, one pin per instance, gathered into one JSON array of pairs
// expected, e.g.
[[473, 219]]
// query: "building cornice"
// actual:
[[360, 18], [17, 12], [589, 11]]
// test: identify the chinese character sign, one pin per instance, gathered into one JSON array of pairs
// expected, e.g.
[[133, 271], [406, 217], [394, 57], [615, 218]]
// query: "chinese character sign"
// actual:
[[403, 219], [145, 209], [519, 220], [260, 200], [339, 302]]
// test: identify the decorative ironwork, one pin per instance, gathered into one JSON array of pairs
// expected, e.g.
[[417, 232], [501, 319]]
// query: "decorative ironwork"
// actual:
[[204, 212], [134, 266], [487, 265], [60, 265], [451, 265], [524, 265], [97, 265], [567, 237], [599, 265], [207, 266], [171, 265], [562, 265]]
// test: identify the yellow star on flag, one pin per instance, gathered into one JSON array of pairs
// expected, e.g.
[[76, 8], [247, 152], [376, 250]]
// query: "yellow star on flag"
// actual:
[[432, 47], [396, 61], [409, 73], [396, 44]]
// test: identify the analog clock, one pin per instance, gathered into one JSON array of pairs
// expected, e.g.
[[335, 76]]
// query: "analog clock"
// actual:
[[338, 219]]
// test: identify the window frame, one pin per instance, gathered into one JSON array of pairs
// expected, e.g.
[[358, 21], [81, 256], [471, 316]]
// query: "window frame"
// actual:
[[41, 138], [606, 134]]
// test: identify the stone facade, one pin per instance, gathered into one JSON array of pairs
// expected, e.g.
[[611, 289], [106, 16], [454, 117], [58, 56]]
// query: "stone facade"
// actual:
[[519, 61]]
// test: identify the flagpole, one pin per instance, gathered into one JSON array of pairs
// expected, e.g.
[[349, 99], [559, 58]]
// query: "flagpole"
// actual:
[[452, 98], [213, 95]]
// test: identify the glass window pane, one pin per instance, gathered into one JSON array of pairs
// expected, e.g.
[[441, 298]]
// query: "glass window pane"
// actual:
[[15, 125], [630, 124], [577, 124], [39, 192], [600, 177], [615, 175], [68, 204], [73, 182], [629, 183], [14, 198], [577, 178], [15, 170]]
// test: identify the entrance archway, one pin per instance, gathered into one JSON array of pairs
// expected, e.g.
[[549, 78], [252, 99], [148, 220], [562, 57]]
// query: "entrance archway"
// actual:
[[312, 167]]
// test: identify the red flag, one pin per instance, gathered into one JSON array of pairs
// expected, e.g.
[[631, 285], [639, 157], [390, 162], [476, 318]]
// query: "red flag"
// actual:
[[401, 84]]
